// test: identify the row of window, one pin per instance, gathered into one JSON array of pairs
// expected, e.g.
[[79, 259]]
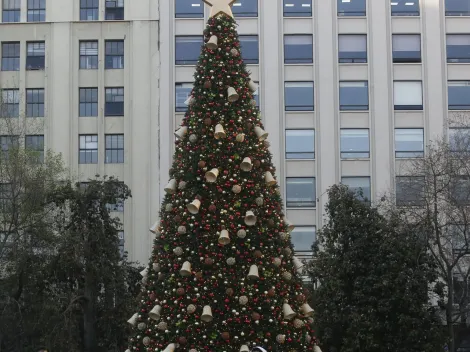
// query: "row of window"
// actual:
[[354, 95], [11, 10], [352, 48], [303, 8], [88, 102], [354, 143], [88, 51], [33, 143]]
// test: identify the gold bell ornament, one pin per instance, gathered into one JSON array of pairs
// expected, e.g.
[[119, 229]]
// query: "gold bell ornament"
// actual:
[[240, 137], [253, 274], [193, 207], [268, 177], [133, 319], [207, 314], [212, 43], [244, 348], [211, 176], [181, 132], [246, 164], [287, 311], [298, 265], [154, 228], [250, 218], [252, 85], [261, 134], [219, 132], [306, 310], [185, 269], [190, 101], [170, 348], [224, 237], [155, 313], [170, 188], [232, 94], [290, 226], [316, 349]]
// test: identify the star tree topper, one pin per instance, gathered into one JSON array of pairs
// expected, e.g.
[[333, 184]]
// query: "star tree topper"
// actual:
[[219, 6]]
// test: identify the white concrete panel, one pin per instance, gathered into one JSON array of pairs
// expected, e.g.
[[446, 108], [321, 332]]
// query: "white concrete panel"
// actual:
[[179, 118], [302, 217], [351, 72], [300, 120], [355, 120], [114, 78], [457, 24], [9, 79], [458, 72], [87, 171], [300, 168], [184, 73], [355, 168], [298, 25], [407, 72], [193, 26], [406, 25], [114, 125], [35, 79], [298, 73], [247, 26], [117, 170], [352, 25], [87, 125], [405, 119], [60, 11], [88, 78]]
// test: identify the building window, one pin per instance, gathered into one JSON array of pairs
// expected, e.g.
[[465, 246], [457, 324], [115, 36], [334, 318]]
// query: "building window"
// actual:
[[182, 93], [6, 203], [298, 49], [459, 139], [88, 153], [114, 102], [249, 48], [458, 48], [460, 239], [245, 8], [122, 251], [300, 192], [89, 10], [8, 143], [88, 102], [257, 94], [406, 48], [405, 7], [114, 10], [352, 48], [10, 105], [408, 95], [36, 52], [457, 8], [299, 96], [409, 190], [460, 190], [303, 237], [188, 49], [10, 56], [360, 186], [354, 143], [114, 54], [300, 144], [114, 149], [36, 10], [459, 95], [35, 102], [36, 145], [11, 11], [409, 142], [297, 8], [353, 96], [89, 55], [189, 9], [351, 8]]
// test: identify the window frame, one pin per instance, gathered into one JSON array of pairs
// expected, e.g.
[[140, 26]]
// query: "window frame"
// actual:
[[366, 196], [114, 13], [190, 61], [404, 13], [119, 151], [35, 107], [344, 154], [408, 154], [291, 60], [7, 142], [8, 60], [39, 61], [87, 9], [10, 108], [461, 12], [456, 192], [354, 107], [342, 57], [456, 143], [37, 11], [297, 13], [302, 153], [401, 202], [93, 105], [244, 14], [88, 60], [90, 154], [182, 107], [11, 14], [461, 59], [107, 108], [346, 13], [395, 56], [254, 60], [35, 143], [299, 203], [462, 83], [289, 107], [109, 64], [401, 107]]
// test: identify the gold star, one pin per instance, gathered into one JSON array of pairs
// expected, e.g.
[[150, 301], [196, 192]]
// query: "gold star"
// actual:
[[219, 6]]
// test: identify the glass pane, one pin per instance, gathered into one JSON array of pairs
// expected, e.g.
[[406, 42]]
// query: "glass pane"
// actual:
[[249, 48], [457, 7], [189, 8], [408, 95], [358, 185], [405, 7], [245, 8], [300, 192], [298, 49], [409, 142], [300, 144], [182, 92], [354, 143], [188, 50], [459, 95], [297, 8], [299, 96], [303, 238], [353, 96], [409, 190], [351, 8], [459, 139], [458, 48]]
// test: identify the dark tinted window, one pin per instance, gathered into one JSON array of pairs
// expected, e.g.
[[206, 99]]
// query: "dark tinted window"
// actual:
[[298, 49], [298, 96], [351, 8], [405, 7], [297, 8], [353, 95], [245, 8], [249, 48], [188, 49], [457, 8], [189, 9], [459, 95]]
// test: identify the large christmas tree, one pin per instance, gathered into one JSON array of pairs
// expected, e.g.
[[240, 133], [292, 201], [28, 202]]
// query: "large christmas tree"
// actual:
[[222, 275]]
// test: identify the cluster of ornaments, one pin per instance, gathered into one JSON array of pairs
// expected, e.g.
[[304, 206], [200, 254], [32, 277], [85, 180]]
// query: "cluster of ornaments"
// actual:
[[220, 218]]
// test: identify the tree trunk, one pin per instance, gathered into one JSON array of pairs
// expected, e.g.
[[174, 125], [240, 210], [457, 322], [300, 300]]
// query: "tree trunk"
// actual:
[[89, 311], [450, 310]]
